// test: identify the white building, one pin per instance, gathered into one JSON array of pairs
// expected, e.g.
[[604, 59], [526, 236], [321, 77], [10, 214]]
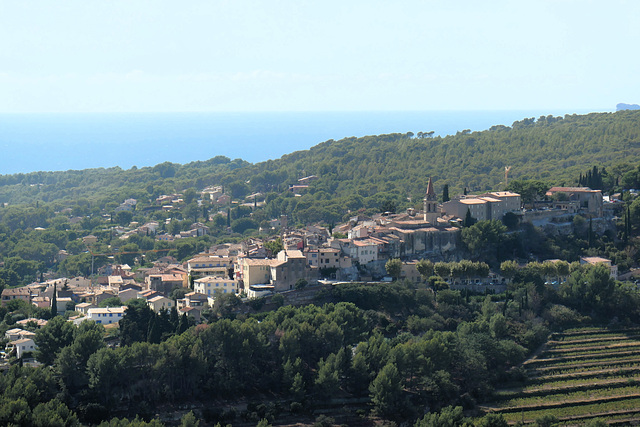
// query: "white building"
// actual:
[[22, 346], [211, 285], [160, 303], [106, 316]]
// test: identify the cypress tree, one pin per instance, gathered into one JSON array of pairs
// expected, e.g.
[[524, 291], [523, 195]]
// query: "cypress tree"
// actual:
[[628, 225], [54, 302], [153, 331], [184, 323], [468, 219], [174, 318], [445, 193]]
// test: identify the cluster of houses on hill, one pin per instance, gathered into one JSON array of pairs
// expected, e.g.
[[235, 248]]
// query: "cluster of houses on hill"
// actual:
[[357, 250]]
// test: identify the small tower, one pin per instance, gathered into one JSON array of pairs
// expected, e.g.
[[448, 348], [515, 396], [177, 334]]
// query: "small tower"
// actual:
[[431, 211]]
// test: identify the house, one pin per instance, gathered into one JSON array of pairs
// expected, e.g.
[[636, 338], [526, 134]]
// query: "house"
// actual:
[[41, 302], [32, 320], [194, 300], [224, 199], [211, 285], [128, 285], [148, 294], [18, 333], [62, 304], [165, 283], [255, 271], [106, 316], [587, 201], [128, 294], [84, 307], [127, 205], [9, 294], [200, 229], [594, 260], [115, 282], [22, 346], [212, 193], [90, 240], [291, 267], [159, 303], [210, 265], [488, 206], [100, 296], [80, 281], [257, 291], [364, 250], [410, 272]]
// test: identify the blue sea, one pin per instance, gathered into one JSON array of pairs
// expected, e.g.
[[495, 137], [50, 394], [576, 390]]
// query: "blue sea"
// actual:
[[53, 142]]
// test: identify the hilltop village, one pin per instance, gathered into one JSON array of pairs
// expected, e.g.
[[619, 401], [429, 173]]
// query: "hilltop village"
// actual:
[[224, 293], [292, 259]]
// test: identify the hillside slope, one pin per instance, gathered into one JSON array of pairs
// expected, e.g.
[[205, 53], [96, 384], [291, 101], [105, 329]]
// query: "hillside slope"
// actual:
[[356, 173]]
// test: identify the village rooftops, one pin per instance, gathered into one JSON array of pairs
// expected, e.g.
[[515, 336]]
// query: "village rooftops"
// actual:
[[570, 190], [504, 194], [295, 254], [15, 292], [264, 262], [107, 310], [595, 260], [473, 201], [490, 199], [39, 322], [212, 279], [365, 242], [167, 277], [21, 341]]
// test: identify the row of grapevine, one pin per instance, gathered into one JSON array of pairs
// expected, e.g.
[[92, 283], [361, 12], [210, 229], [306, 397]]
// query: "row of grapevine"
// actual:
[[580, 375]]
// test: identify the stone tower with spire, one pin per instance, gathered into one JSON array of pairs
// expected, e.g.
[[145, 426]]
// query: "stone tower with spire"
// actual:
[[431, 211]]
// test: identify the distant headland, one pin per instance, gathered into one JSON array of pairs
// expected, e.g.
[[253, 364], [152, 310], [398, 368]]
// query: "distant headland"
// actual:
[[623, 106]]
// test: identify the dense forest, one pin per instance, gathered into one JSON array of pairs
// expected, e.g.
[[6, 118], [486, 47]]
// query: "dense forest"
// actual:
[[386, 350]]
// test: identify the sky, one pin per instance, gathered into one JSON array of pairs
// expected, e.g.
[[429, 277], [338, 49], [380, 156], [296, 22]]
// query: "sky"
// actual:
[[298, 55]]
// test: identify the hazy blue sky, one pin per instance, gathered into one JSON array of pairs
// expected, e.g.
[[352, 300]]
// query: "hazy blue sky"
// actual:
[[270, 55]]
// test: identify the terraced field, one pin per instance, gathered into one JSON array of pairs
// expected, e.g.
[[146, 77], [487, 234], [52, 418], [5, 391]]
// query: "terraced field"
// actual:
[[580, 375]]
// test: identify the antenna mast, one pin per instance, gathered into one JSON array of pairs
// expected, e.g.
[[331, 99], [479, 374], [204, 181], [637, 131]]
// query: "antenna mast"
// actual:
[[506, 175]]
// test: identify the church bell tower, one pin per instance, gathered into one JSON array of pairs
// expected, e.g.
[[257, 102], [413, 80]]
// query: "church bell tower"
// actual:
[[431, 211]]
